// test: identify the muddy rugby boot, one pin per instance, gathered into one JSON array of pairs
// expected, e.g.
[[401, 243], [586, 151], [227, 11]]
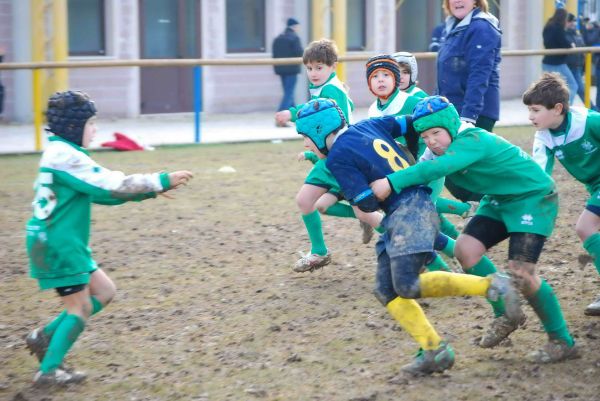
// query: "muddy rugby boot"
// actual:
[[500, 329], [57, 377], [311, 262], [554, 351], [367, 232], [593, 309], [37, 342], [433, 361], [502, 288]]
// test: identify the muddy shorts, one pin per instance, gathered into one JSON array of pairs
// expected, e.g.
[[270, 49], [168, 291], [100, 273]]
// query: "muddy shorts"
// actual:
[[412, 227], [534, 214], [320, 176]]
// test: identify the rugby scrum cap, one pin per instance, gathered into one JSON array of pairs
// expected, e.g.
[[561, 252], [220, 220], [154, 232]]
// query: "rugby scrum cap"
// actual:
[[383, 62], [436, 111], [408, 58], [67, 114], [317, 119]]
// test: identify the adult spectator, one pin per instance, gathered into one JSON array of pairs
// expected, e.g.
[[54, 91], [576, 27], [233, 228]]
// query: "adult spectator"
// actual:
[[575, 62], [287, 44], [555, 37], [468, 68], [437, 35]]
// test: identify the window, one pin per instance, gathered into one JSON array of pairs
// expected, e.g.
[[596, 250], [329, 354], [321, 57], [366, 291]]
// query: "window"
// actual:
[[245, 26], [356, 25], [86, 27]]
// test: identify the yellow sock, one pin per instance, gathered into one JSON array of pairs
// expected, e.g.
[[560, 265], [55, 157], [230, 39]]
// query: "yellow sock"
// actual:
[[411, 318], [445, 284]]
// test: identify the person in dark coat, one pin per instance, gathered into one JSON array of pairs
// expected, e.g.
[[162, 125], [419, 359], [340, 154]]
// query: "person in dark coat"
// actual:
[[468, 69], [555, 37], [287, 44], [575, 62]]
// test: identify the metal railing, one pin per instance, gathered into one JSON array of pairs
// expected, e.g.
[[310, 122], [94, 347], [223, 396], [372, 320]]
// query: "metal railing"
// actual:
[[36, 67]]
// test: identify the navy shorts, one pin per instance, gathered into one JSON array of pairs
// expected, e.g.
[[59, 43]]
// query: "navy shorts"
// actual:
[[412, 227]]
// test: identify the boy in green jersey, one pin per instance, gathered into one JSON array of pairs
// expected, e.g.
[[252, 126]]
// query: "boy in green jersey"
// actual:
[[520, 204], [571, 135], [321, 192], [409, 72], [69, 181]]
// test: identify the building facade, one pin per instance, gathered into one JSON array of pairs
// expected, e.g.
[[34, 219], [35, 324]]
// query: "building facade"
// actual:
[[236, 29]]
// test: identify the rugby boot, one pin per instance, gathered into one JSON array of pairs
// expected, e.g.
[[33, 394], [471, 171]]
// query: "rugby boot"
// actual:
[[311, 262], [58, 377], [37, 342], [554, 351], [500, 329], [593, 309], [433, 361], [502, 288]]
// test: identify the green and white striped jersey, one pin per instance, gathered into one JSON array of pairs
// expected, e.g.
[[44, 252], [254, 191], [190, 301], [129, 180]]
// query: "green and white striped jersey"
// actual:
[[69, 181], [577, 148], [333, 89]]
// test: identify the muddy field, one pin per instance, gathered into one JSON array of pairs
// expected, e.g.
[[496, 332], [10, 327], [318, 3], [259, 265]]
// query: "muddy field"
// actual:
[[209, 309]]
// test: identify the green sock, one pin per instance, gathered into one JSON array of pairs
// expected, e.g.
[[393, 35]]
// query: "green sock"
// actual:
[[51, 327], [340, 210], [96, 305], [446, 227], [546, 306], [380, 229], [592, 246], [443, 205], [437, 264], [484, 268], [312, 221], [63, 339]]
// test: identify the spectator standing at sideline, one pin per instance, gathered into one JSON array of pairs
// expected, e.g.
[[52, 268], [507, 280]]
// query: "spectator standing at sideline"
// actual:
[[287, 44], [575, 62], [555, 37], [468, 68]]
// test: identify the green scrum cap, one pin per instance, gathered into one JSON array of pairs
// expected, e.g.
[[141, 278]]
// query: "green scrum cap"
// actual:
[[436, 111], [317, 119]]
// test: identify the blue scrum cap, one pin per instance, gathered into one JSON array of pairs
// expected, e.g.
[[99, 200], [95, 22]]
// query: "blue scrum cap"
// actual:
[[317, 119]]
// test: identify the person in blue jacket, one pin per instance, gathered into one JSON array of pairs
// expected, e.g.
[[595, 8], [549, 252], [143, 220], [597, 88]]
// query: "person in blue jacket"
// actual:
[[468, 69]]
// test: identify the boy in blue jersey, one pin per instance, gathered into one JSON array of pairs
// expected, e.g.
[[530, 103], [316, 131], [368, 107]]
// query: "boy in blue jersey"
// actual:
[[365, 152]]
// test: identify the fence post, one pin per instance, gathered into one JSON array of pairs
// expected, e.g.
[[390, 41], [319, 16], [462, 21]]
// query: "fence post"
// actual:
[[197, 101], [588, 79]]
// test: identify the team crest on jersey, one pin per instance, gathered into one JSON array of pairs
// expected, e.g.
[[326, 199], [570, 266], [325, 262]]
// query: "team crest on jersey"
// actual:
[[527, 220], [588, 147]]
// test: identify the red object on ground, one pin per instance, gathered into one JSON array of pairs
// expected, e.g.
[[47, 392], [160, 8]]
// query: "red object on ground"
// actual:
[[122, 142]]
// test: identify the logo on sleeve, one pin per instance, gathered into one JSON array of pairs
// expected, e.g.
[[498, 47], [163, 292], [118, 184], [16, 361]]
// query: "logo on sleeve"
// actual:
[[588, 147], [527, 220], [559, 154]]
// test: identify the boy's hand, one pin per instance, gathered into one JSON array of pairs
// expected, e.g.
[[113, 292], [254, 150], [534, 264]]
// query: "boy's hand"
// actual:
[[301, 156], [381, 188], [178, 178], [283, 116]]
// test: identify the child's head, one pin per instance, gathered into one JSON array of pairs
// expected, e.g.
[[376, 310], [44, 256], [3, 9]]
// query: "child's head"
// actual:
[[69, 116], [320, 58], [547, 100], [409, 70], [318, 119], [383, 75], [436, 119]]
